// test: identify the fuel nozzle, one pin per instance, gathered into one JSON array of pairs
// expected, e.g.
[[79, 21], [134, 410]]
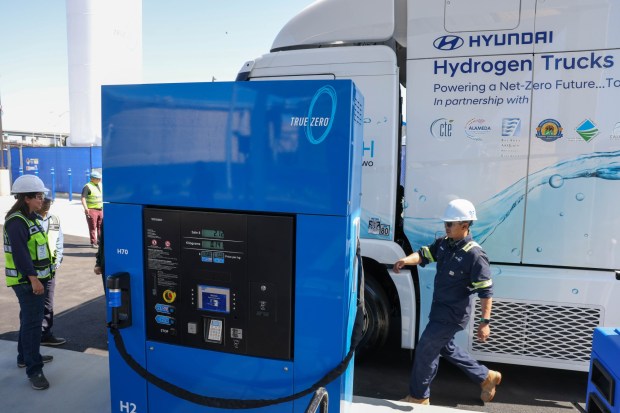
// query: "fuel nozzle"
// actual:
[[119, 299]]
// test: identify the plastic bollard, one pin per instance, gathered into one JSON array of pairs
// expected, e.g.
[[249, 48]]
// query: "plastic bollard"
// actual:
[[53, 173], [70, 185]]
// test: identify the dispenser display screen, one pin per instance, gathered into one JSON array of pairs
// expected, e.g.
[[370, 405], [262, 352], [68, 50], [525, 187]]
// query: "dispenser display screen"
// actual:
[[214, 245], [214, 299], [212, 233]]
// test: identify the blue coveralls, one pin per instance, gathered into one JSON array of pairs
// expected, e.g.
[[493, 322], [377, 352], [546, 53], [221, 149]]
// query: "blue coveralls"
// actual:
[[462, 269]]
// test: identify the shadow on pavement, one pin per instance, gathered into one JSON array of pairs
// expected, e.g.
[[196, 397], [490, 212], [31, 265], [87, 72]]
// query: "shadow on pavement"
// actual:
[[78, 250], [84, 327], [385, 375]]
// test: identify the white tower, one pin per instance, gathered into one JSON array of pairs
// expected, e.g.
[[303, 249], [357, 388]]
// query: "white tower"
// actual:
[[104, 39]]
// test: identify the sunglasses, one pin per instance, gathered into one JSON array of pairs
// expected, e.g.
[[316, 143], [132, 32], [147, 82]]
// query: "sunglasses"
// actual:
[[449, 224]]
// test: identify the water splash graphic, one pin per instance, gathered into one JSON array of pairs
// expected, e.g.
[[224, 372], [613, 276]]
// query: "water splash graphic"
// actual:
[[494, 211]]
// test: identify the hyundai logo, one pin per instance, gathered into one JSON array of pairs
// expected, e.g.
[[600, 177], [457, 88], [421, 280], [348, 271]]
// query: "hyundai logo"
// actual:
[[449, 42]]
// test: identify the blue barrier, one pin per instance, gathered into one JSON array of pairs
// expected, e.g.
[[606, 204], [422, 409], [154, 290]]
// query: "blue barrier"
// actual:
[[42, 161]]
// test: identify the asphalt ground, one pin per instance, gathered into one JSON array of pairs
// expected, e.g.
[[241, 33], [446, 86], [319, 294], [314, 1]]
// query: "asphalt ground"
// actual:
[[79, 301], [385, 375], [80, 318]]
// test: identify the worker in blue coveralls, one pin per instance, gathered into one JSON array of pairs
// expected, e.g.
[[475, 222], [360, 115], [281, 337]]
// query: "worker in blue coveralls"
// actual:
[[462, 270]]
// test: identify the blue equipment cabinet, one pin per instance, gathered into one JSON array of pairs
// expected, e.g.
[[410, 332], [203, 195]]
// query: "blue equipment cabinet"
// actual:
[[231, 229], [604, 377]]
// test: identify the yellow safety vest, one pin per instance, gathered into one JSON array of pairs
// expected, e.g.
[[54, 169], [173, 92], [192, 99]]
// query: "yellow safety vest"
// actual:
[[39, 252], [95, 198]]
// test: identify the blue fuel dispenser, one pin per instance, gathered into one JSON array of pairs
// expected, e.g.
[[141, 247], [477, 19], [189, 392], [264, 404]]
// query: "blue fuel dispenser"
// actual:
[[231, 222], [604, 376]]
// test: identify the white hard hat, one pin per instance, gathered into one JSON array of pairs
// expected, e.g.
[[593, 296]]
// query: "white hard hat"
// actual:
[[459, 210], [95, 174], [28, 184]]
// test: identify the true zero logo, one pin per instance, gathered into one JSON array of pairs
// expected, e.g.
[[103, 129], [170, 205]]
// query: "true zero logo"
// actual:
[[318, 121]]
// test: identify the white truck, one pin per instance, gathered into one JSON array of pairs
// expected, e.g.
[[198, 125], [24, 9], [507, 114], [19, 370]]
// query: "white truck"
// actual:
[[512, 104]]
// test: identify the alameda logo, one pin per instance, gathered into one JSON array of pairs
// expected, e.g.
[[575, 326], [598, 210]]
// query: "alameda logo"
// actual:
[[448, 42], [476, 128]]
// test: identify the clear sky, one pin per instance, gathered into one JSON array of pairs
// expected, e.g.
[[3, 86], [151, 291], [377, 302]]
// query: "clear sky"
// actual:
[[183, 41]]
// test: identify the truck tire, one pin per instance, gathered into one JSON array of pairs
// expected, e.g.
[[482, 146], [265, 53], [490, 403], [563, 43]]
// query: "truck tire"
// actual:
[[377, 320]]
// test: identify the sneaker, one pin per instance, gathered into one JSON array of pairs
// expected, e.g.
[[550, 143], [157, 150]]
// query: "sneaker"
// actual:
[[46, 359], [39, 382], [94, 246], [52, 341]]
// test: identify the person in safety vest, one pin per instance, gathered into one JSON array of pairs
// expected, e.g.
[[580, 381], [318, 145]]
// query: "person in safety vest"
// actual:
[[462, 269], [100, 259], [28, 271], [92, 201], [51, 226]]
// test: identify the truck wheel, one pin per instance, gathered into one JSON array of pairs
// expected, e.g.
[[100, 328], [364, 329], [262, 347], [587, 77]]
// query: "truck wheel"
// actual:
[[377, 320]]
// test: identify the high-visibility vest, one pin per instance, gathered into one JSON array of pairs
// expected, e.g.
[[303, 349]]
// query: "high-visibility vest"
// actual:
[[37, 247], [95, 198]]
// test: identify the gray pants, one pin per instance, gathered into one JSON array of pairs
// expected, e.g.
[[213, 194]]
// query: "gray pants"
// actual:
[[48, 312]]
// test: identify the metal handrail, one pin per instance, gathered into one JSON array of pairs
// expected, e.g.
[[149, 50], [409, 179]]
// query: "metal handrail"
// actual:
[[319, 400]]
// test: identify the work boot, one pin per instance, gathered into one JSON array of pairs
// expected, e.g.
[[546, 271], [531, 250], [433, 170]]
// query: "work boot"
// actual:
[[493, 380], [44, 359], [413, 400], [51, 340], [39, 382]]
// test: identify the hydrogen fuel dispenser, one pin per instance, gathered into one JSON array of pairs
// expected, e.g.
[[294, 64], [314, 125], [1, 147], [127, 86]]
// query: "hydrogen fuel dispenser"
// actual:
[[231, 231]]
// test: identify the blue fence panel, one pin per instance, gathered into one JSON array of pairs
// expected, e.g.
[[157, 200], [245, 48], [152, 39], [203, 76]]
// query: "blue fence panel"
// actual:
[[41, 162]]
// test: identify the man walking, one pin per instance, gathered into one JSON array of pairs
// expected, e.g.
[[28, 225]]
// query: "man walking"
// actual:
[[92, 201], [462, 269]]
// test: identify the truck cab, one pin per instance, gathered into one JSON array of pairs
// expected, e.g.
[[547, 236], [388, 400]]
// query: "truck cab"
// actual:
[[508, 105]]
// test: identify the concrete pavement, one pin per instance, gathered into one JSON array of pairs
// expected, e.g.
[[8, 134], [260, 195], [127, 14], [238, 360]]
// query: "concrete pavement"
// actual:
[[79, 383], [71, 213], [79, 373]]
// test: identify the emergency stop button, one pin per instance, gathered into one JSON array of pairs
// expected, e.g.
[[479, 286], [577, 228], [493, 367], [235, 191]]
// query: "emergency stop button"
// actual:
[[169, 296]]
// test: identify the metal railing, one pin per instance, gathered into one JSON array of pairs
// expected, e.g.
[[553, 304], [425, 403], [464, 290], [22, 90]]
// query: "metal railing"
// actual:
[[320, 400]]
